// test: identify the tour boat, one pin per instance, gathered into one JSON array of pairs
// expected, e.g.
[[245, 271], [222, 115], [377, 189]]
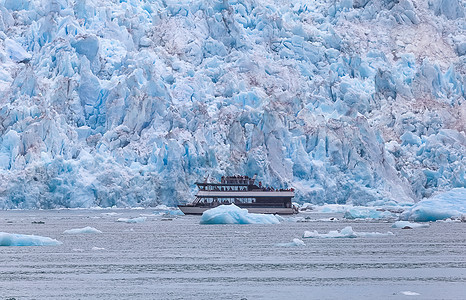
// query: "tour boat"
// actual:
[[243, 192]]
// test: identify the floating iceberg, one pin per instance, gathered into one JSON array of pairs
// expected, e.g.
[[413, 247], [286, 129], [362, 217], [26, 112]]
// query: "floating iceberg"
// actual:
[[367, 213], [132, 220], [346, 232], [439, 207], [408, 225], [82, 230], [11, 239], [232, 214], [294, 243]]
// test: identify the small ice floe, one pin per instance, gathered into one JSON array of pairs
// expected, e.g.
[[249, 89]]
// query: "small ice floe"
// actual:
[[37, 222], [232, 214], [449, 220], [97, 249], [11, 239], [346, 232], [111, 214], [332, 208], [367, 213], [84, 230], [132, 220], [409, 293], [164, 210], [408, 225], [294, 243]]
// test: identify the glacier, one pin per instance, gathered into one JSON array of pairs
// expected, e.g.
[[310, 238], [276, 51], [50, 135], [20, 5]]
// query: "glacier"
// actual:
[[128, 103]]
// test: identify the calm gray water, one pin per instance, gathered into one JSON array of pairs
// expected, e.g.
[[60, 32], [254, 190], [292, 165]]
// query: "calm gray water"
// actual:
[[181, 259]]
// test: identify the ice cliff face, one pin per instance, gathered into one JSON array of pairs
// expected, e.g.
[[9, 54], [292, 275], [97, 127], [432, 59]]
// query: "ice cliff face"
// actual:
[[130, 102]]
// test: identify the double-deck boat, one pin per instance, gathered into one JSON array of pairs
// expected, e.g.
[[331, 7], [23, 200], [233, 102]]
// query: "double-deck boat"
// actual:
[[243, 192]]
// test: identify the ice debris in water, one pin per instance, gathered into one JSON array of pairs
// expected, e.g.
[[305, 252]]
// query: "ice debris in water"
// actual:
[[439, 207], [11, 239], [132, 220], [294, 243], [408, 225], [87, 229], [346, 232], [367, 213], [232, 214], [409, 293]]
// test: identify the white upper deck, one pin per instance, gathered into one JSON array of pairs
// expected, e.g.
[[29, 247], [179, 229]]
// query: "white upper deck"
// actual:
[[244, 194]]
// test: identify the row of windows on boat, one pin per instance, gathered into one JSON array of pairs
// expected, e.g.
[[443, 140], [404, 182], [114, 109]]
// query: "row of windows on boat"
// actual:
[[237, 179], [239, 188], [237, 200]]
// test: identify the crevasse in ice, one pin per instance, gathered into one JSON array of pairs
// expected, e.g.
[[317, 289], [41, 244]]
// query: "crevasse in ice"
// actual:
[[128, 103]]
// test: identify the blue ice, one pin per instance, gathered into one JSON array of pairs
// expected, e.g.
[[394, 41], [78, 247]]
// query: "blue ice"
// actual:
[[232, 214], [439, 207], [11, 239]]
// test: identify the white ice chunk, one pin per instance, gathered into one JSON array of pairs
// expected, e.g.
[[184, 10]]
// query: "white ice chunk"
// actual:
[[11, 239], [409, 293], [294, 243], [232, 214], [82, 230], [132, 220], [346, 232], [408, 225]]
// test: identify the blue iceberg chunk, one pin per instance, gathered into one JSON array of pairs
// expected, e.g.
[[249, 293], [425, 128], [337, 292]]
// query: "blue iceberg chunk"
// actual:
[[232, 214], [439, 207], [11, 239]]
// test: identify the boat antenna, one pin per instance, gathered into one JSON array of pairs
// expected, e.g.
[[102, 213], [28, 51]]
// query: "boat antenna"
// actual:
[[205, 180]]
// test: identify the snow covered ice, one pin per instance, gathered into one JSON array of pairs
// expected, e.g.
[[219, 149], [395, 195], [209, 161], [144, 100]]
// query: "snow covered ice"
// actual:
[[346, 232], [84, 230], [128, 103], [232, 214], [11, 239]]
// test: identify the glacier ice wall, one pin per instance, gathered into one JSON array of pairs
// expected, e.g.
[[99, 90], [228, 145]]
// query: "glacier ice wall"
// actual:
[[125, 103]]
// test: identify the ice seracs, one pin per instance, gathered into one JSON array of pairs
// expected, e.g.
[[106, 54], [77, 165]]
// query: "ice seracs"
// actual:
[[294, 243]]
